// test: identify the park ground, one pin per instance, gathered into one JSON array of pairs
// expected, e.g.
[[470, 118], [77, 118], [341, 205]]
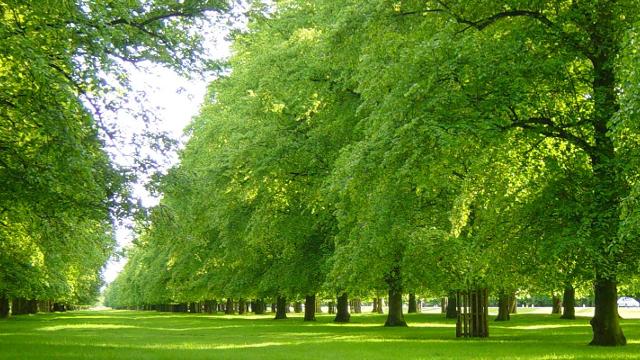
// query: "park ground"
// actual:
[[110, 334]]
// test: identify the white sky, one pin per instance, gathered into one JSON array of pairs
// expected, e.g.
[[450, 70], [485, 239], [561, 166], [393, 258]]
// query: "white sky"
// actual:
[[176, 100]]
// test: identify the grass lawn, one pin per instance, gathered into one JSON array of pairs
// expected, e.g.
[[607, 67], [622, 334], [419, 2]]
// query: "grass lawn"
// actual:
[[151, 335]]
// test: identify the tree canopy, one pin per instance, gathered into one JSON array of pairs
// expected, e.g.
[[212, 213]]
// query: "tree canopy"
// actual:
[[410, 146]]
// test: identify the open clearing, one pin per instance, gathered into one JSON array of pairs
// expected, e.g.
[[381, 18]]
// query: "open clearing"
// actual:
[[151, 335]]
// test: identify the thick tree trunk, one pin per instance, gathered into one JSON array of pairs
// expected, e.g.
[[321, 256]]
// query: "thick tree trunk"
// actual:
[[569, 303], [609, 186], [395, 316], [228, 309], [443, 305], [380, 306], [606, 321], [556, 304], [281, 308], [452, 305], [310, 308], [242, 306], [413, 306], [503, 307], [375, 305], [342, 314]]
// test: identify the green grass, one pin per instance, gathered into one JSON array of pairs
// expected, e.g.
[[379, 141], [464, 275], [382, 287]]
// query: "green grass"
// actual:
[[151, 335]]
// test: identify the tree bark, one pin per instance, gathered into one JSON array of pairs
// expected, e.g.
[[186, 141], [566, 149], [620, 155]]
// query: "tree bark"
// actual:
[[228, 309], [395, 316], [556, 304], [375, 305], [569, 303], [452, 305], [503, 307], [380, 306], [310, 308], [4, 307], [258, 307], [342, 314], [242, 306], [513, 303], [606, 321], [281, 308], [413, 305], [443, 305]]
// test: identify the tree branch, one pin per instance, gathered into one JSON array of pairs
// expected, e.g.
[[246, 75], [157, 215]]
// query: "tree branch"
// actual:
[[545, 126], [536, 15]]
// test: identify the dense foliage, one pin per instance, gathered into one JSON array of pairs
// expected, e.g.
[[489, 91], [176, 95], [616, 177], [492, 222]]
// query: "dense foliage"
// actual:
[[62, 64], [407, 146]]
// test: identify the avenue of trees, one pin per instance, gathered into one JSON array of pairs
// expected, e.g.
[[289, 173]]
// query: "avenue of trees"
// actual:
[[366, 149], [62, 65]]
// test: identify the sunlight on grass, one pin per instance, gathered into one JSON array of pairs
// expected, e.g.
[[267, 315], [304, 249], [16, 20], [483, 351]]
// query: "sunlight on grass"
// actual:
[[432, 325], [86, 327], [540, 327], [151, 335], [247, 346]]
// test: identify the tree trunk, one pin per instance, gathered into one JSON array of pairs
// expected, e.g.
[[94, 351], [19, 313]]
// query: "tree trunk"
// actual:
[[452, 305], [228, 309], [413, 306], [443, 305], [609, 186], [29, 306], [281, 308], [375, 305], [513, 303], [569, 303], [395, 316], [380, 306], [503, 307], [297, 307], [4, 307], [310, 308], [606, 321], [342, 314], [332, 307], [242, 306], [556, 304], [259, 307], [356, 306]]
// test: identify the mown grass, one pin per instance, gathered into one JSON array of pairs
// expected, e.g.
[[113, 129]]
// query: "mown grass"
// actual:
[[151, 335]]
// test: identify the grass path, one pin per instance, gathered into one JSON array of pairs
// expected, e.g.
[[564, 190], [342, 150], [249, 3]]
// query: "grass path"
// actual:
[[151, 335]]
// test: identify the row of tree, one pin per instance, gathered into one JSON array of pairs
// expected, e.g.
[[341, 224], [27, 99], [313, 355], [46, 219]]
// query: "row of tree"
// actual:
[[60, 63], [388, 147]]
